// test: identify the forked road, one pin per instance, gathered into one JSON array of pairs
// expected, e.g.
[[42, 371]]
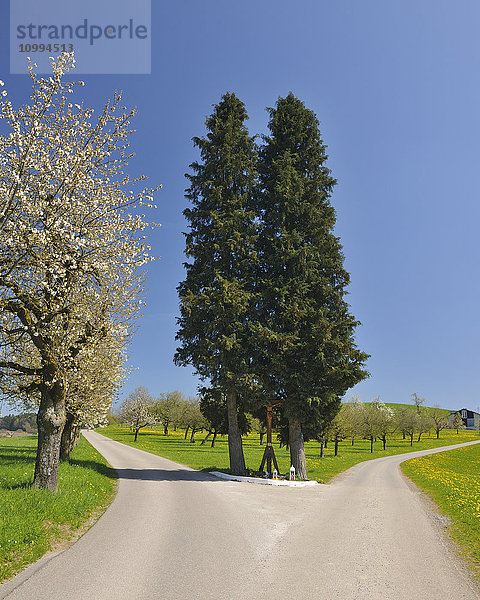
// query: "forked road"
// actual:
[[173, 533]]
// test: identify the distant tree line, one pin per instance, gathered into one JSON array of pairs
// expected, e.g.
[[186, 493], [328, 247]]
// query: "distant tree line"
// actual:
[[355, 420], [23, 422], [170, 410], [377, 422]]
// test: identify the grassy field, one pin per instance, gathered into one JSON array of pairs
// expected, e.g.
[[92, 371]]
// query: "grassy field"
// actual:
[[174, 447], [32, 521], [452, 480]]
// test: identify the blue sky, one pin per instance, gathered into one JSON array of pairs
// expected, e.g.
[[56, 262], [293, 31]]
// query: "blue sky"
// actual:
[[396, 88]]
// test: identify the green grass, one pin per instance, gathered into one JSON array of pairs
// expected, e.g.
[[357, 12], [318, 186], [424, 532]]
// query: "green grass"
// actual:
[[323, 469], [31, 520], [452, 480]]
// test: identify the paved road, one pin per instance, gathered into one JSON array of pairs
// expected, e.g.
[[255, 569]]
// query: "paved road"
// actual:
[[173, 533]]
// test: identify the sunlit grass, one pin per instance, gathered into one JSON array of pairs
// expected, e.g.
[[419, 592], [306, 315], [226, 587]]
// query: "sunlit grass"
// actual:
[[452, 480], [32, 520], [176, 448]]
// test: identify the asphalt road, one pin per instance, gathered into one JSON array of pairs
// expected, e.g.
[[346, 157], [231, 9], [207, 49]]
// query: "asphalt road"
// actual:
[[173, 533]]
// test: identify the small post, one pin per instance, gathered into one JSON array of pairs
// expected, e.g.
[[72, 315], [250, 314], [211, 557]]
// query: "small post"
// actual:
[[275, 474], [292, 473]]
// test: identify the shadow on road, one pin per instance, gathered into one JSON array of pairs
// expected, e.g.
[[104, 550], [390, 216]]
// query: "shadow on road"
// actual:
[[165, 475], [94, 466]]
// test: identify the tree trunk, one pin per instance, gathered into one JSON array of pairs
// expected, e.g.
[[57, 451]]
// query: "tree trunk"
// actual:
[[297, 448], [261, 439], [165, 429], [192, 437], [50, 422], [384, 440], [411, 439], [353, 441], [235, 448], [336, 446], [70, 437], [186, 432], [371, 443], [322, 446], [136, 433], [214, 440], [438, 434], [206, 438]]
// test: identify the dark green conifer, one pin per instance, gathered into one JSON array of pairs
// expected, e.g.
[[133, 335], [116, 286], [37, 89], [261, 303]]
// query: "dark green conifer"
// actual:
[[217, 296], [307, 357]]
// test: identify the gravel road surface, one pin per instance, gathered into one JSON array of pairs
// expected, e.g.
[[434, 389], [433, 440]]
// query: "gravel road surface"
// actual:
[[174, 533]]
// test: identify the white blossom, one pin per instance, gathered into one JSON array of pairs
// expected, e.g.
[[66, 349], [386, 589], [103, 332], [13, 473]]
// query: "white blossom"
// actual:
[[71, 253]]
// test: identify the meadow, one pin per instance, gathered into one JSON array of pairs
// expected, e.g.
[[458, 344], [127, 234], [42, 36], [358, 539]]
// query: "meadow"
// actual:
[[176, 448], [34, 521], [452, 480]]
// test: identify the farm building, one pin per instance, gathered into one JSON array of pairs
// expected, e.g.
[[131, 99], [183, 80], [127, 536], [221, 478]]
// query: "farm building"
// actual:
[[470, 418]]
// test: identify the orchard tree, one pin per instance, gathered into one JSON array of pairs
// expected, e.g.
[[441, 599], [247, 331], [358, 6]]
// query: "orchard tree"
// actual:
[[137, 410], [439, 419], [386, 424], [423, 421], [407, 422], [71, 249], [371, 422], [193, 418], [340, 427], [217, 295], [419, 402], [167, 409], [458, 422], [354, 415], [307, 354]]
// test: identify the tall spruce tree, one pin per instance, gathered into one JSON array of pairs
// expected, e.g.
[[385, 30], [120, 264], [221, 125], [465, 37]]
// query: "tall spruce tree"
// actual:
[[308, 357], [217, 296]]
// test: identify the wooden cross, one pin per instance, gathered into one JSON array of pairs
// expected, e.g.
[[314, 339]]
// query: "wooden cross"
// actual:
[[269, 453]]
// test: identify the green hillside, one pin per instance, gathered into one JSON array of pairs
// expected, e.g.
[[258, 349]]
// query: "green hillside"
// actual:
[[398, 407]]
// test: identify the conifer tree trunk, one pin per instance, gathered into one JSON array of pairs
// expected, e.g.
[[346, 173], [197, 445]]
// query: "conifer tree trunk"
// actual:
[[235, 448], [297, 448], [50, 422]]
